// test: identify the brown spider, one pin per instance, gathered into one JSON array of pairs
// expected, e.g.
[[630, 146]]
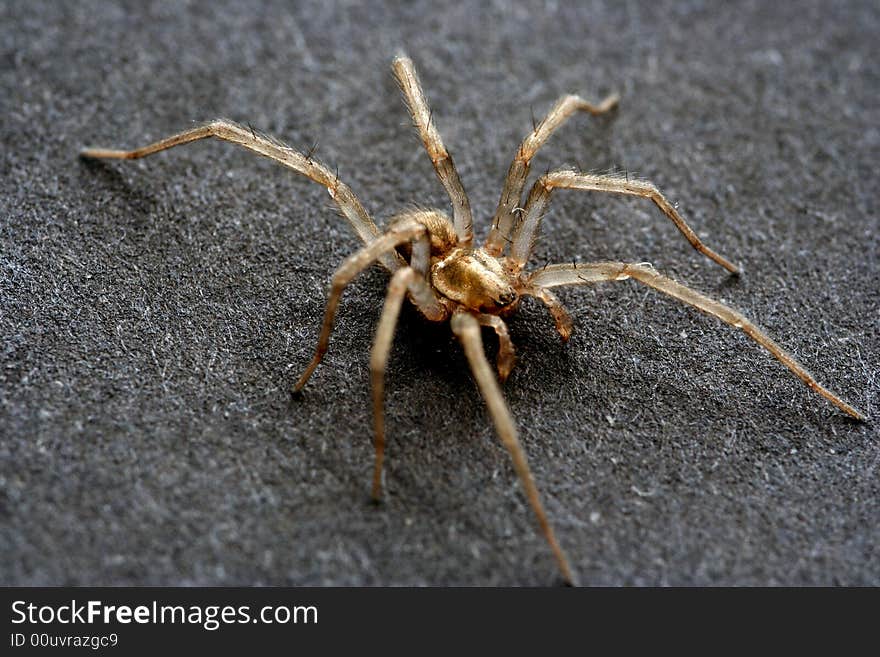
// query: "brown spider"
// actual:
[[437, 267]]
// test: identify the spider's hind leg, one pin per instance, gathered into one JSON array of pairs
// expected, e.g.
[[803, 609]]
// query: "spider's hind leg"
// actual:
[[564, 109], [254, 141], [423, 118]]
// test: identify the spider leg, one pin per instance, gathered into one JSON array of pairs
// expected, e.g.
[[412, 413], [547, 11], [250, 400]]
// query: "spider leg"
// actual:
[[556, 275], [226, 130], [467, 328], [350, 268], [408, 79], [561, 318], [404, 280], [506, 352], [565, 107], [527, 231]]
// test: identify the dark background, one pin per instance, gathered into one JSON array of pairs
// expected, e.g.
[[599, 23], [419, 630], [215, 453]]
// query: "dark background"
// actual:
[[155, 313]]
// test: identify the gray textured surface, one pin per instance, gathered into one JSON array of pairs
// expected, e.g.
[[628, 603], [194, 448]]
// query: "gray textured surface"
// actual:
[[155, 313]]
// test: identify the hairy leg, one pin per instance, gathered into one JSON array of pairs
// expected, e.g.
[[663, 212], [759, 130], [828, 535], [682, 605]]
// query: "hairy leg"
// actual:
[[511, 195], [467, 328], [408, 79], [352, 266], [527, 231], [226, 130], [406, 279], [556, 275]]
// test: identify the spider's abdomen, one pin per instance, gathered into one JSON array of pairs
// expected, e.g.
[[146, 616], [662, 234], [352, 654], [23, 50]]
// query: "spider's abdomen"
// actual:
[[474, 279], [440, 230]]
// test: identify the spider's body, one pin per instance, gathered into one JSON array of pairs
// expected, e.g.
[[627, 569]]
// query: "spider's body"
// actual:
[[461, 276], [474, 281], [435, 264]]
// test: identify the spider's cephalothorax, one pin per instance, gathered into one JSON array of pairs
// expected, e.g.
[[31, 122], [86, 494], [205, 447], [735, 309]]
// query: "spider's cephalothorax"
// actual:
[[461, 275], [475, 280], [435, 264]]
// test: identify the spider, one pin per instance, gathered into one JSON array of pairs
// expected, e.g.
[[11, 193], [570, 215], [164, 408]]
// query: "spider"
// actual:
[[435, 263]]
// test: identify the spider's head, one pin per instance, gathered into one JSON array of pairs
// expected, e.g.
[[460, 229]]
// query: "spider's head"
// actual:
[[475, 280]]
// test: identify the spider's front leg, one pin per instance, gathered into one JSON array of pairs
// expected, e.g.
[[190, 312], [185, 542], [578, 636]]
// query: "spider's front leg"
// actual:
[[581, 274], [404, 280], [353, 265], [467, 329], [408, 279]]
